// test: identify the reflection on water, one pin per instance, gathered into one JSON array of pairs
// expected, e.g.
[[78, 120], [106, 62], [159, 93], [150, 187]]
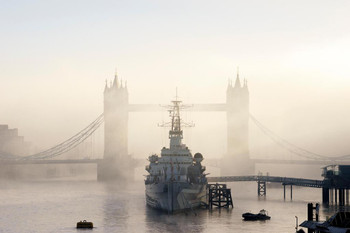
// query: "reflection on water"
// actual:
[[159, 221], [56, 206]]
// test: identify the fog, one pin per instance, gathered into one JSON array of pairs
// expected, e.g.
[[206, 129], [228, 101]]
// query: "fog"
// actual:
[[56, 57]]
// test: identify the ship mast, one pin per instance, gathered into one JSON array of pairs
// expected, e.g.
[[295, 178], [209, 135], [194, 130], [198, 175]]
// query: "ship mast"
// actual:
[[175, 133]]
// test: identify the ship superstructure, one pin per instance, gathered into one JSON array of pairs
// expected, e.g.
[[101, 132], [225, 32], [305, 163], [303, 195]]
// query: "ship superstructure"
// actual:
[[176, 179]]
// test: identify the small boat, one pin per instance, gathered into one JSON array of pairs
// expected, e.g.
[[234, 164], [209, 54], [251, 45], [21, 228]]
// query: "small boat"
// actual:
[[262, 215], [85, 224]]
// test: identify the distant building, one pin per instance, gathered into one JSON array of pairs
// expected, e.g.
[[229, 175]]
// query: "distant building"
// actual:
[[11, 143]]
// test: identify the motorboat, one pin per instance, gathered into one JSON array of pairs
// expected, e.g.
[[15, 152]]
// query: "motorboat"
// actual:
[[262, 215]]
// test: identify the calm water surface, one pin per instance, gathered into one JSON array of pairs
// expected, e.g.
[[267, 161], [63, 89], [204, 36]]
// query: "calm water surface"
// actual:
[[56, 206]]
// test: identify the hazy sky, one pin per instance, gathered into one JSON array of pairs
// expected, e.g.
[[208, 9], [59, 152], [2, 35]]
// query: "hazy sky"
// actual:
[[56, 55]]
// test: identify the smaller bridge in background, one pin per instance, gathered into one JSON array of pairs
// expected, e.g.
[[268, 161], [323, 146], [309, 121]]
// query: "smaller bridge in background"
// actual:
[[262, 180], [304, 161], [271, 179]]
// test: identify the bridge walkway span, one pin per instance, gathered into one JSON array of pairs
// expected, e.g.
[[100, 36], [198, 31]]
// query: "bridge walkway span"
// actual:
[[272, 179]]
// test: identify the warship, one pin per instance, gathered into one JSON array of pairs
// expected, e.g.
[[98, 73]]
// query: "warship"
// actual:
[[176, 179]]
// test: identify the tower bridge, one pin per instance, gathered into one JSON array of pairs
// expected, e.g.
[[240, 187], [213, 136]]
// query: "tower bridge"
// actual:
[[116, 159], [117, 162]]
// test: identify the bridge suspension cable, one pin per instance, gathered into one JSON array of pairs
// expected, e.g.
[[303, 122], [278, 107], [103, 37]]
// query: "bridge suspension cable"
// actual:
[[291, 147], [67, 145]]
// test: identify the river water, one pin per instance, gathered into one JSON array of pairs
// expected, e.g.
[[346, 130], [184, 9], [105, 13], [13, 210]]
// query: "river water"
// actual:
[[56, 206]]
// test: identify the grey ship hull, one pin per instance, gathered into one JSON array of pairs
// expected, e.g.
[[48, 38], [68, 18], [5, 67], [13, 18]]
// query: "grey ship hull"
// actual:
[[175, 196]]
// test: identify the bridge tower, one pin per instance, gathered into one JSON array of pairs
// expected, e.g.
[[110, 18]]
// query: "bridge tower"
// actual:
[[116, 161], [236, 161]]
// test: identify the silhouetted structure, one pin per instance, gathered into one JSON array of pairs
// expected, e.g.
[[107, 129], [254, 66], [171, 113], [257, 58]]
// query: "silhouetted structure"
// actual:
[[219, 195], [337, 181]]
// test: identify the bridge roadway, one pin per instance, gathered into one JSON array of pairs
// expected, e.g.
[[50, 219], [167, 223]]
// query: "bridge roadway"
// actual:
[[135, 162], [272, 179], [48, 161], [209, 162]]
